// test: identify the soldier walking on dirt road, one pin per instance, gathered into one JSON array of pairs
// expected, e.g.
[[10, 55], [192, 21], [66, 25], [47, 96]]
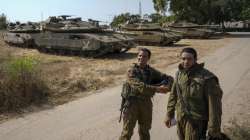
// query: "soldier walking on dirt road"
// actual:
[[196, 97]]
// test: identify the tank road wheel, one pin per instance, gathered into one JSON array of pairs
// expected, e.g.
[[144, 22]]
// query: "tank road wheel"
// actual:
[[117, 50], [24, 45], [50, 51], [61, 52], [139, 43], [55, 52], [143, 43], [148, 44], [96, 54], [71, 53], [42, 49], [90, 54], [169, 43]]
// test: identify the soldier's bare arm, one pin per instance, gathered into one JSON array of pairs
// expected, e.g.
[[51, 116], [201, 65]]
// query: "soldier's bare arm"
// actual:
[[162, 89]]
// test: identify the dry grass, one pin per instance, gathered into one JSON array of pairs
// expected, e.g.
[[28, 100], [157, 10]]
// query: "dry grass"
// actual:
[[21, 84]]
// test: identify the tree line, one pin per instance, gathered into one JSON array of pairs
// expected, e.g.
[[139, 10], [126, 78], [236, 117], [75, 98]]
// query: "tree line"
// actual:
[[3, 21], [196, 11], [210, 11]]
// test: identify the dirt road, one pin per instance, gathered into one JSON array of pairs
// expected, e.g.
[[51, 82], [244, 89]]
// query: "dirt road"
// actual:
[[96, 117]]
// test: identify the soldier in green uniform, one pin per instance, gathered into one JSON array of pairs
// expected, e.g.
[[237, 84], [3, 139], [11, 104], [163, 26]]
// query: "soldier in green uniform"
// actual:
[[196, 97], [142, 83]]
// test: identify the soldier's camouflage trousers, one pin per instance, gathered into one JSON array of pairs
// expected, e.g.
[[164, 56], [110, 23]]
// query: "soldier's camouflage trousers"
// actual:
[[191, 130], [141, 111]]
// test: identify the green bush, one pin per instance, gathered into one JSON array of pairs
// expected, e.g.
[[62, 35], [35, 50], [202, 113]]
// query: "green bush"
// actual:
[[123, 18], [157, 18], [22, 84]]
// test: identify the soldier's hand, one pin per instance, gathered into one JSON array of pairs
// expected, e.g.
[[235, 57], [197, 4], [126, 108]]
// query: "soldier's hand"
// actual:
[[214, 135], [168, 122], [162, 89]]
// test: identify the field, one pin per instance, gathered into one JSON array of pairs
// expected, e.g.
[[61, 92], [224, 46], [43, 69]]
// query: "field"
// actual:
[[73, 77]]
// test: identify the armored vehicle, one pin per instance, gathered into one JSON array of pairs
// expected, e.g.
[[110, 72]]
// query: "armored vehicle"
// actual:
[[22, 34], [190, 30], [63, 35], [149, 34]]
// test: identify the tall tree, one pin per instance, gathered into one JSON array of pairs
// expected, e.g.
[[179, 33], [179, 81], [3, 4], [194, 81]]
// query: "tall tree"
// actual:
[[124, 17], [157, 18], [208, 11], [245, 13], [160, 6], [3, 21]]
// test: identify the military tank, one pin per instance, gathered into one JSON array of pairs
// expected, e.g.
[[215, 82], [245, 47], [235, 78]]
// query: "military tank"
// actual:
[[149, 34], [190, 30], [22, 34], [64, 35]]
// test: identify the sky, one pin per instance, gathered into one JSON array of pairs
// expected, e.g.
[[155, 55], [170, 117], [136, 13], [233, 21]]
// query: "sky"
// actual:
[[103, 10]]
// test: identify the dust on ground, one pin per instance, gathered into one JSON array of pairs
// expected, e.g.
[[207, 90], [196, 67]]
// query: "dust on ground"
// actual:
[[71, 77]]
